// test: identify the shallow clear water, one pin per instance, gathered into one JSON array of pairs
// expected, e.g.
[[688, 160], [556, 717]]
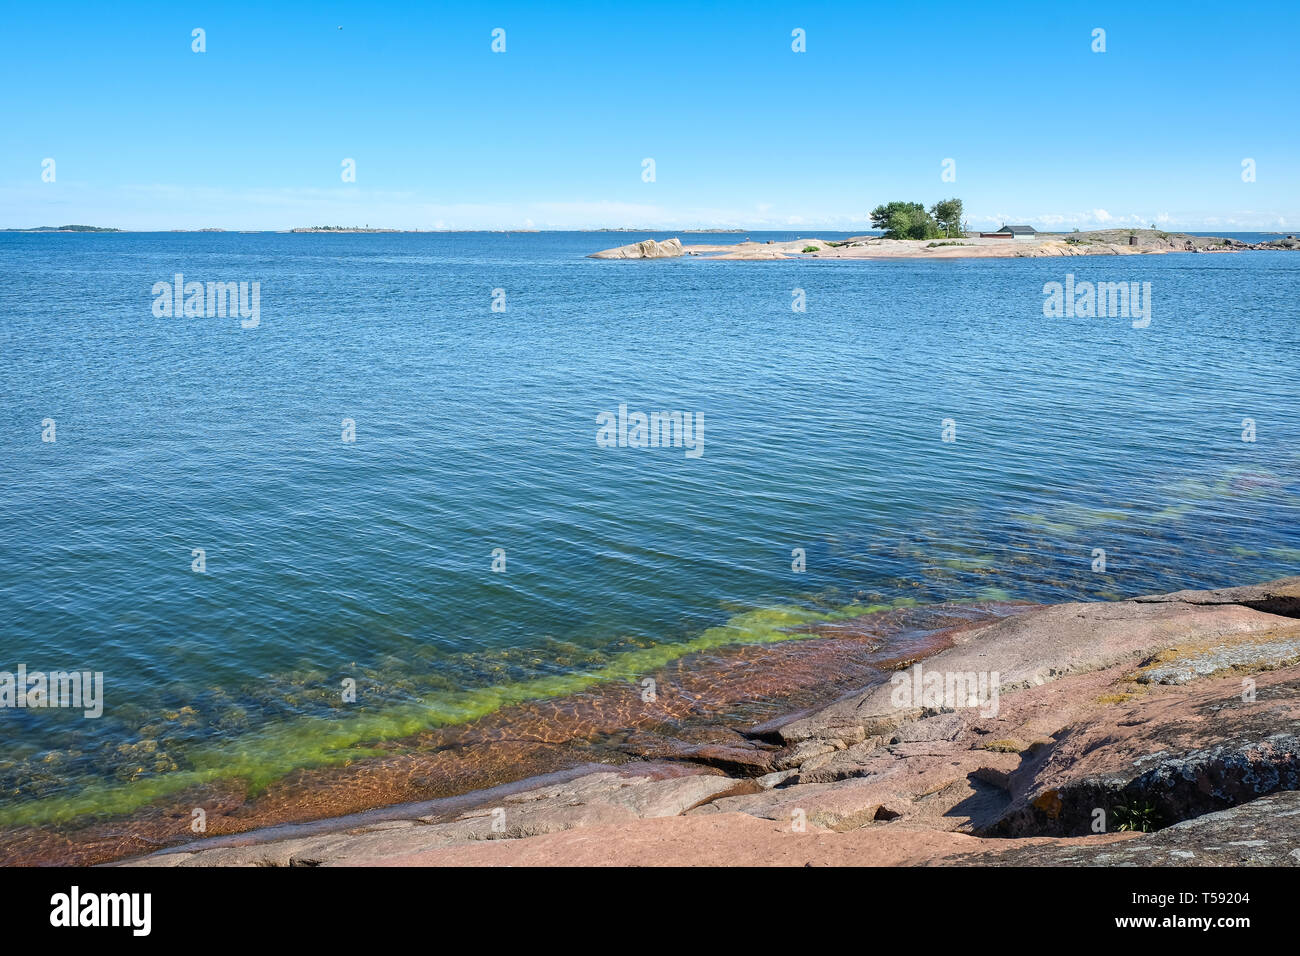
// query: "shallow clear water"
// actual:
[[476, 430]]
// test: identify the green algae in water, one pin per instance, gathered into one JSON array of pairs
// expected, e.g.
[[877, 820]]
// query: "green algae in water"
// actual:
[[262, 758], [1172, 513], [430, 698], [1043, 523], [975, 563]]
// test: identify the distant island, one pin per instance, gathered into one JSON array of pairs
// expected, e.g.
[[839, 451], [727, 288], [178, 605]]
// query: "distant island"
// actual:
[[66, 229], [632, 229], [911, 231], [1009, 242], [346, 229]]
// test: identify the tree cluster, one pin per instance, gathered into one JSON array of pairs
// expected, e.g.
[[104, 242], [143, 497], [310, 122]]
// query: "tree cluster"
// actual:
[[911, 220]]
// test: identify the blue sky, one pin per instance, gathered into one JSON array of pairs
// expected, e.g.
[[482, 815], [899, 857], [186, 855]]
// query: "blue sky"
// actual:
[[147, 134]]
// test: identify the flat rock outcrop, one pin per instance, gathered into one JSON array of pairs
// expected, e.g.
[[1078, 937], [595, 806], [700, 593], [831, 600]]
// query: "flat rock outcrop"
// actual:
[[1275, 597], [1163, 730], [1038, 646], [1097, 242], [594, 800], [649, 249]]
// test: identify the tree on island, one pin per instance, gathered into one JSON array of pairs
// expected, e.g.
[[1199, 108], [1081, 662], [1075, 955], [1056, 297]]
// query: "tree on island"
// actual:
[[904, 220], [947, 213], [911, 220]]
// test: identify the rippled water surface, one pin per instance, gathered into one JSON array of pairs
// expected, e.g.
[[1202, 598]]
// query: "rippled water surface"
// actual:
[[476, 430]]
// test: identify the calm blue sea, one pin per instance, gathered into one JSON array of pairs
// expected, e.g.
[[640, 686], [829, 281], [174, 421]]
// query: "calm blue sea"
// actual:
[[475, 430]]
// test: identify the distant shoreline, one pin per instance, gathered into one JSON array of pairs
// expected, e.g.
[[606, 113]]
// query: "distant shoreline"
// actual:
[[808, 233]]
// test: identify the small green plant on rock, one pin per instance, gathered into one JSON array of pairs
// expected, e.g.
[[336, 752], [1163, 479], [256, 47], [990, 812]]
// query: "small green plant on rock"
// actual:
[[1136, 816]]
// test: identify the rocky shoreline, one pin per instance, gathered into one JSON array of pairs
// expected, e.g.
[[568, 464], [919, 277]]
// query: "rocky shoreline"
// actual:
[[1160, 730], [1103, 242]]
